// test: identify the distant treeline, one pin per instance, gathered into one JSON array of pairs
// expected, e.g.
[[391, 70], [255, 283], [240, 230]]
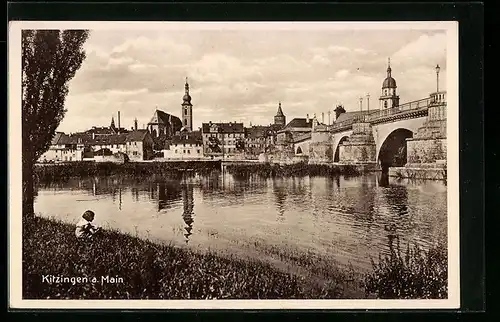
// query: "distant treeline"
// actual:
[[297, 169], [86, 169]]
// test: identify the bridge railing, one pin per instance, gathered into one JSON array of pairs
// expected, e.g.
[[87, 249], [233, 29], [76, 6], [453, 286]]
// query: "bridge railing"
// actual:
[[414, 105], [380, 114], [344, 124]]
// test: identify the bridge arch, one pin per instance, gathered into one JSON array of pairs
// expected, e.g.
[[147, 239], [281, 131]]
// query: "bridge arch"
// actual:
[[392, 151], [337, 137], [336, 156]]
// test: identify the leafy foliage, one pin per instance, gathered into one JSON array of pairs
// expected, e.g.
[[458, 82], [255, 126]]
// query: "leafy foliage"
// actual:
[[50, 59], [240, 145], [416, 274], [214, 144]]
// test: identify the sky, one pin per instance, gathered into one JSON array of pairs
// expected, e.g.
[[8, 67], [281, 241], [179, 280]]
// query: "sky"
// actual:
[[241, 75]]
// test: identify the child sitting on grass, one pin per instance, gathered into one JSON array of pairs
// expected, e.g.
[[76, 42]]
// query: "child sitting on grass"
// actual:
[[85, 228]]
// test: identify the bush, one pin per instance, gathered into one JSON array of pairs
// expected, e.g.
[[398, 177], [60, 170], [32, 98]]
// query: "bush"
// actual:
[[416, 275]]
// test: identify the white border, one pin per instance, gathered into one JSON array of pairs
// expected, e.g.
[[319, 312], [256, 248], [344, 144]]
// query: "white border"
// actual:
[[15, 178]]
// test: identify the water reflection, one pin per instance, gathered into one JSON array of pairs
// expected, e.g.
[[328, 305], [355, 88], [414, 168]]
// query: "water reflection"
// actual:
[[280, 193], [168, 194], [347, 218], [187, 214], [383, 180]]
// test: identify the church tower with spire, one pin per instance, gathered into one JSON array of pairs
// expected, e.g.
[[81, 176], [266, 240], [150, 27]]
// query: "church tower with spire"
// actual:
[[389, 98], [187, 109], [280, 118], [112, 126]]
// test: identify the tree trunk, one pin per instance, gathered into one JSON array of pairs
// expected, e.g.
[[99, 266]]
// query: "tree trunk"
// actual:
[[28, 190]]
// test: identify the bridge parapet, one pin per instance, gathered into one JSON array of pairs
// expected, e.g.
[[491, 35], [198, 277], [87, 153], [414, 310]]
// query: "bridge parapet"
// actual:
[[404, 110], [347, 124], [410, 106]]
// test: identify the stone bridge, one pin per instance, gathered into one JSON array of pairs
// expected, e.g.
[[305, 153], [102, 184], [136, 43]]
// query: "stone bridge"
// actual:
[[380, 137]]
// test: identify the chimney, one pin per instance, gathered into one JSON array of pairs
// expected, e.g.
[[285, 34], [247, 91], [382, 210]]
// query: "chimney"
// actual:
[[323, 117], [119, 122], [135, 124], [307, 118]]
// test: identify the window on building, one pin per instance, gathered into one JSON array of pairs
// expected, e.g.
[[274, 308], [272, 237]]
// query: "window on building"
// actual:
[[135, 153], [385, 104], [198, 151], [185, 111], [184, 151], [189, 151], [176, 151], [135, 143]]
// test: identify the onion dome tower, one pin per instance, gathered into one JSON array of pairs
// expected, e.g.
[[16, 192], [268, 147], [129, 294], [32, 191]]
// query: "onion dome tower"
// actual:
[[187, 109], [389, 98]]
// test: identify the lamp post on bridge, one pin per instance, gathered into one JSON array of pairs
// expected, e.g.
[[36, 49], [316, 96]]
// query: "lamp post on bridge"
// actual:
[[437, 77], [360, 118]]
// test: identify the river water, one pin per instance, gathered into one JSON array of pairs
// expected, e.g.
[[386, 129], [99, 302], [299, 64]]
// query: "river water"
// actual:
[[347, 220]]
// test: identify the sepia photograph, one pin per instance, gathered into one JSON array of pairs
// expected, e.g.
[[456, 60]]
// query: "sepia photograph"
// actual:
[[233, 165]]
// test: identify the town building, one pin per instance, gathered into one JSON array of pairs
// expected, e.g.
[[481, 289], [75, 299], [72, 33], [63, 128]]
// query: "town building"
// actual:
[[96, 131], [139, 145], [162, 127], [296, 128], [256, 139], [223, 139], [61, 150], [184, 146], [164, 124], [136, 144]]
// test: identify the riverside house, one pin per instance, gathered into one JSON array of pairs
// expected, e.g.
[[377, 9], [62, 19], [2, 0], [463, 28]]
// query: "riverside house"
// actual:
[[136, 144], [62, 148], [139, 145], [226, 136], [185, 146]]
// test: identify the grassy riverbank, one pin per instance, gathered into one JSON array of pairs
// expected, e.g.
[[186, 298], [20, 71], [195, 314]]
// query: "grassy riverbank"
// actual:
[[298, 169], [149, 270], [153, 271], [86, 169]]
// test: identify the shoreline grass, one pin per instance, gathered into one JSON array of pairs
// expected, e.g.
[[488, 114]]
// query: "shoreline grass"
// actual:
[[83, 169], [157, 271], [176, 169], [267, 170], [149, 270]]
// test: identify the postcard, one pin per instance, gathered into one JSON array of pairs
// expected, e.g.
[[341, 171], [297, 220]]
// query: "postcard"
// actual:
[[233, 165]]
